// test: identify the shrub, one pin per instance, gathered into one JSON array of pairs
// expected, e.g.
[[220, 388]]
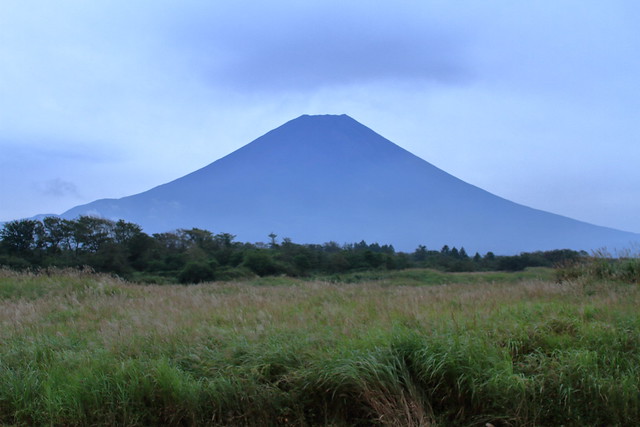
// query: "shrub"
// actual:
[[196, 272], [261, 263]]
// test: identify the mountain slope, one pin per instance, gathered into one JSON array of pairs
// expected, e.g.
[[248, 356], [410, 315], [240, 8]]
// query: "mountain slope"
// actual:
[[321, 178]]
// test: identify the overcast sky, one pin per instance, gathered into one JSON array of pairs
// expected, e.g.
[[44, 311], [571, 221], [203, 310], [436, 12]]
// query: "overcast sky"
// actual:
[[537, 102]]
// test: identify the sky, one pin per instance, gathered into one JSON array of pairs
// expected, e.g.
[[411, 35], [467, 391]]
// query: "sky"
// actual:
[[536, 102]]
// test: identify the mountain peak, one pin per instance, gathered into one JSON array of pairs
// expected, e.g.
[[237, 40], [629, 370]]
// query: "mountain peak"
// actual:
[[324, 136], [323, 116], [323, 121]]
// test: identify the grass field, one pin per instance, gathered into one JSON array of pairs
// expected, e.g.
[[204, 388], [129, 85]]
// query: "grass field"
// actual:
[[414, 348]]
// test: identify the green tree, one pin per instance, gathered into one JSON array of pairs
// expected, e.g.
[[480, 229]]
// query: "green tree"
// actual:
[[272, 236], [90, 233], [338, 262], [331, 247], [141, 248], [224, 240], [454, 253], [123, 232], [199, 237], [261, 263], [58, 233], [373, 259], [22, 236], [302, 262], [462, 253], [420, 254]]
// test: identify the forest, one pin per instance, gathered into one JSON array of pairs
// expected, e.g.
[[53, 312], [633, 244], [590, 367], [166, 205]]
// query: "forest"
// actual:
[[196, 255]]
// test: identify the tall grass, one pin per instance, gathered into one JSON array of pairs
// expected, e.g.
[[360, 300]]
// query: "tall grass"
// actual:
[[83, 349], [602, 266]]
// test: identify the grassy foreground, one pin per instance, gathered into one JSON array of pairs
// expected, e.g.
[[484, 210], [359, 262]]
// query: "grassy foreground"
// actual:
[[84, 349]]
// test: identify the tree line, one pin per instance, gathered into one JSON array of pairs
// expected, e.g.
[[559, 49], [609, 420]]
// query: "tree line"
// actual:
[[196, 255]]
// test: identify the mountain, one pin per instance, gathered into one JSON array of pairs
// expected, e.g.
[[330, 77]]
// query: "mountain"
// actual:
[[321, 178]]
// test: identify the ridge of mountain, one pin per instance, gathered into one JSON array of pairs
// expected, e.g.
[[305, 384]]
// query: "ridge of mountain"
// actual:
[[322, 178]]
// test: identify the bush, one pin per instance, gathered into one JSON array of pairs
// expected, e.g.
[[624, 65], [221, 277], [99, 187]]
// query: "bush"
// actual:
[[14, 262], [601, 267], [196, 272], [261, 263], [231, 273]]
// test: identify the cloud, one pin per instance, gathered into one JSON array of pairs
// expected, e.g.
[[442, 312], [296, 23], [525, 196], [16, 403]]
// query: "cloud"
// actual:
[[294, 47], [58, 188]]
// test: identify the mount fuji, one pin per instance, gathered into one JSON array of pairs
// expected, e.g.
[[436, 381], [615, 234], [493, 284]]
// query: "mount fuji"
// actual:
[[329, 178]]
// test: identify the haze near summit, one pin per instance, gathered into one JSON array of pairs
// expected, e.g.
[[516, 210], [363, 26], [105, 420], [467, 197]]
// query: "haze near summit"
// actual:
[[537, 103]]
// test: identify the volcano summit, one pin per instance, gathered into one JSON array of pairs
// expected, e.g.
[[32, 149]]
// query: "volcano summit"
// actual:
[[321, 178]]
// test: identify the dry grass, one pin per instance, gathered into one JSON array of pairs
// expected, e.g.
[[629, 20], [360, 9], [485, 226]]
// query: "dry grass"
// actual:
[[117, 310]]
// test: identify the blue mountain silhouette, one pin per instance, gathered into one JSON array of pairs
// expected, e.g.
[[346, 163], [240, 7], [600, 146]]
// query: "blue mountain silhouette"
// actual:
[[322, 178]]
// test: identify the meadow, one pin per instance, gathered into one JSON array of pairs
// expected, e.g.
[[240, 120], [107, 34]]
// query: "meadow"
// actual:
[[412, 347]]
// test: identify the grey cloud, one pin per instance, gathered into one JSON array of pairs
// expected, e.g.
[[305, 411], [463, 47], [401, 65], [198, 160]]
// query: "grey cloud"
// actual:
[[58, 188], [321, 45]]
